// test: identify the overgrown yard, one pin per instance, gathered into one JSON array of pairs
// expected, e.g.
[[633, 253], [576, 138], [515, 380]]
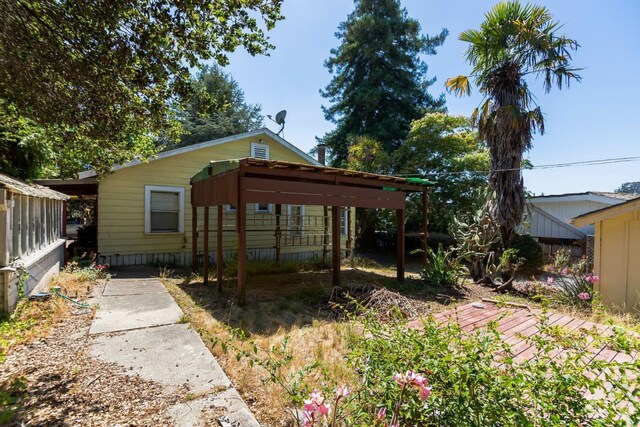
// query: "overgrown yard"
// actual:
[[291, 339], [48, 377]]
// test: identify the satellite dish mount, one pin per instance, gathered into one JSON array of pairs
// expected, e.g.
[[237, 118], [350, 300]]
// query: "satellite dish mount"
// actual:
[[279, 120]]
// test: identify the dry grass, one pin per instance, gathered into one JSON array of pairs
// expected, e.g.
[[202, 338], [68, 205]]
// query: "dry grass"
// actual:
[[295, 305], [292, 305], [34, 319]]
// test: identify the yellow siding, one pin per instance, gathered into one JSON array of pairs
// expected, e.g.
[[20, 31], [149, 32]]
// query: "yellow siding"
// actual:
[[617, 260], [121, 203]]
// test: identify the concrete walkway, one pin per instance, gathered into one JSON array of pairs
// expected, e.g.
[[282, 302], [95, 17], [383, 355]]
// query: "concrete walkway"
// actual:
[[137, 326]]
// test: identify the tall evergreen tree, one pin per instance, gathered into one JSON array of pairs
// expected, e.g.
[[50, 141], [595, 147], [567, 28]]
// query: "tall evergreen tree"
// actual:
[[219, 109], [379, 83]]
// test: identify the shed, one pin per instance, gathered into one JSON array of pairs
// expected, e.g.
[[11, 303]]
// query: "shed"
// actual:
[[250, 180], [616, 252], [31, 243]]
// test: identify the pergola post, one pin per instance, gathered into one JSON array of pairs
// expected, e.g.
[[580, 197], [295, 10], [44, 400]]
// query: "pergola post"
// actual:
[[278, 233], [335, 244], [194, 238], [219, 260], [241, 226], [425, 227], [400, 244], [325, 233], [205, 257], [349, 250]]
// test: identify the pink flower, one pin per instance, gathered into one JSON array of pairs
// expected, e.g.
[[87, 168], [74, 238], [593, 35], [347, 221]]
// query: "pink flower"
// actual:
[[584, 296], [382, 413], [412, 379], [316, 404], [550, 280], [424, 392], [565, 271], [342, 392], [592, 278]]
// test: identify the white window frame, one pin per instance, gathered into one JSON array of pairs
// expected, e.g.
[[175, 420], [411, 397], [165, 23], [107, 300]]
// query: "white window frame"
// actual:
[[263, 211], [255, 145], [301, 221], [147, 207]]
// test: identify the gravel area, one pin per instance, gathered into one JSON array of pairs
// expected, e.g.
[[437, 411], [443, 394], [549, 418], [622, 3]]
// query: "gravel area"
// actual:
[[66, 386]]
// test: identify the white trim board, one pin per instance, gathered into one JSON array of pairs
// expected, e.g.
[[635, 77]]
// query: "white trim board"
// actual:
[[263, 131], [577, 198]]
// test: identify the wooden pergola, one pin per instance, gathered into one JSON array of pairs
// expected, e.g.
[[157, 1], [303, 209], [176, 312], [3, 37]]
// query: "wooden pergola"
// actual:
[[250, 180]]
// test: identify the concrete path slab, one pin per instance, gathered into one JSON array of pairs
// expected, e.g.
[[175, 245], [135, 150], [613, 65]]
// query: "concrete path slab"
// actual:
[[124, 312], [188, 414], [133, 287], [137, 327], [168, 355]]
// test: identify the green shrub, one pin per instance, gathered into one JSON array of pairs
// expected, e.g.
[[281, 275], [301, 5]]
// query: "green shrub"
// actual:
[[531, 252], [442, 268], [468, 387]]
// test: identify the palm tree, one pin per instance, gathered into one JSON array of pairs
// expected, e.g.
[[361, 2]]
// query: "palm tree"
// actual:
[[513, 44]]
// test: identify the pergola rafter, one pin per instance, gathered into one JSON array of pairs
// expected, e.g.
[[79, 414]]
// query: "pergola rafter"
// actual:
[[243, 181]]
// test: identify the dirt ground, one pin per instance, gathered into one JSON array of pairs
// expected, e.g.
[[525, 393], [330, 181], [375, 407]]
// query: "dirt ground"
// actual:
[[63, 385]]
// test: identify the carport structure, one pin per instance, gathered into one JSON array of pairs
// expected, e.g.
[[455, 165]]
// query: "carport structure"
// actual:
[[238, 182]]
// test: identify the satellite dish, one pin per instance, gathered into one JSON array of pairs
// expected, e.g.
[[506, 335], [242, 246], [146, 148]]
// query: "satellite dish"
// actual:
[[280, 117], [279, 120]]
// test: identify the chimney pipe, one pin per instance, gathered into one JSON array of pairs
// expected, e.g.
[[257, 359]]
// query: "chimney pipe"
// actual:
[[322, 151]]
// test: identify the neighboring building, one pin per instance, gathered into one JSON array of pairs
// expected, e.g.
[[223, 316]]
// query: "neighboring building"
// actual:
[[31, 237], [548, 218], [616, 252], [144, 208]]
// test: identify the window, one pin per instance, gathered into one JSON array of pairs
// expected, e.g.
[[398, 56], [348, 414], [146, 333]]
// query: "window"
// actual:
[[263, 208], [344, 221], [259, 151], [230, 208], [164, 209], [296, 215]]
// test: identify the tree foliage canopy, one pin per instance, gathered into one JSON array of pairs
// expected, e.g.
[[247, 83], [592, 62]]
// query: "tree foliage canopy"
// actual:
[[629, 188], [379, 83], [513, 44], [219, 109], [446, 150], [101, 75]]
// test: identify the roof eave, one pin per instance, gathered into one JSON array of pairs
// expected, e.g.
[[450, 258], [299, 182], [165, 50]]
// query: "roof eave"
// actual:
[[262, 131]]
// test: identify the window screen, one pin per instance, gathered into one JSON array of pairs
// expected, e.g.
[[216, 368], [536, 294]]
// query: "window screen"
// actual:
[[165, 211], [263, 208]]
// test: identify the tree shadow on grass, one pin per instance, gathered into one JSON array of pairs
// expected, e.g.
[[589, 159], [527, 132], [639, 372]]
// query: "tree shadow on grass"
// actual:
[[281, 301]]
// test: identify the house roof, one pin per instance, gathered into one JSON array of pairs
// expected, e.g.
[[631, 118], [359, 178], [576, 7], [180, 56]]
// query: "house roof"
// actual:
[[577, 234], [35, 190], [214, 142], [595, 196], [606, 213]]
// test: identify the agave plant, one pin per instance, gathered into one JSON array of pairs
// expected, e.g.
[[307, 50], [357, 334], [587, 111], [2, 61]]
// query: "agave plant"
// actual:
[[476, 238]]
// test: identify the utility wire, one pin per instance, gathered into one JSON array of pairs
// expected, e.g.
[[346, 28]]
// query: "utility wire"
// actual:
[[550, 166]]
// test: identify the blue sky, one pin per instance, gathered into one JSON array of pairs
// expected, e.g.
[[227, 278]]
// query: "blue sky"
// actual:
[[594, 119]]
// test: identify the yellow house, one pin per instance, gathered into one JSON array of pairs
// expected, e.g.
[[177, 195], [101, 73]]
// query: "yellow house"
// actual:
[[144, 208], [616, 252]]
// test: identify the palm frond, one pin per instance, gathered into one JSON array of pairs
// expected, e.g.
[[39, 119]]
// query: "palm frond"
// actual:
[[458, 85]]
